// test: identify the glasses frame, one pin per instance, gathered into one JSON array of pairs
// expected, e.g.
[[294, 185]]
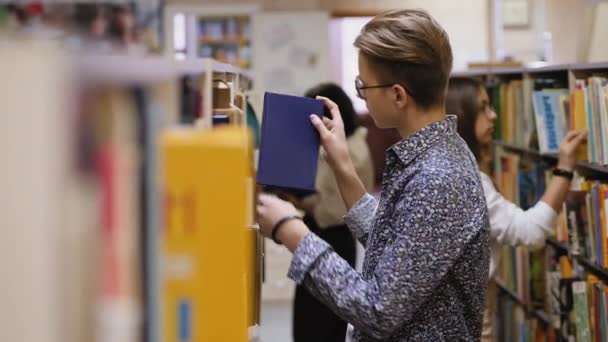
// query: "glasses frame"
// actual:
[[359, 87]]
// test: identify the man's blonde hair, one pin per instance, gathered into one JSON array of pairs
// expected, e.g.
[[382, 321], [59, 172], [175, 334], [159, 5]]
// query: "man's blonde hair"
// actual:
[[410, 48]]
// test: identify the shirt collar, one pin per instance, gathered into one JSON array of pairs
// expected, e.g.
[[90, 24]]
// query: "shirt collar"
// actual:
[[409, 148]]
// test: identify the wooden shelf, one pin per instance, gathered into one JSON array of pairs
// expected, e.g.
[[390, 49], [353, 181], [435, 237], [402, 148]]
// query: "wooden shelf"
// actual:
[[535, 154], [589, 170], [491, 71], [514, 297], [551, 241], [223, 41], [537, 313], [590, 266], [593, 268]]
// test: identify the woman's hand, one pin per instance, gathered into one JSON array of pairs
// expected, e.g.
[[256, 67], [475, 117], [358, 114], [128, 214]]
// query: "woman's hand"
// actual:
[[568, 147]]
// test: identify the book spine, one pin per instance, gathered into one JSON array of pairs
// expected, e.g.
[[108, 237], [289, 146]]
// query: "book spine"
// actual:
[[604, 114], [589, 114], [603, 237], [542, 112], [597, 224], [581, 312], [589, 231]]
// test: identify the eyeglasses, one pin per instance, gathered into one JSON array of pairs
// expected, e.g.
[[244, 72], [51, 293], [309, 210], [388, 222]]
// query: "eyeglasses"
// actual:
[[360, 87]]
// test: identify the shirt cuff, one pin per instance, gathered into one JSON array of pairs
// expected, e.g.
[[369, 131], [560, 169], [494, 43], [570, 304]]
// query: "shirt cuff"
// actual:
[[308, 251], [359, 216], [545, 214]]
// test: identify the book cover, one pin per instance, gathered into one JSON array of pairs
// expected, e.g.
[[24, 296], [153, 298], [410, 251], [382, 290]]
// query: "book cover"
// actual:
[[565, 105], [550, 119], [579, 118], [592, 139], [592, 307], [603, 198], [595, 238], [603, 103], [289, 145], [581, 311], [600, 125], [505, 111], [603, 293], [552, 298], [528, 123], [537, 281], [597, 310], [576, 212], [590, 231], [496, 102]]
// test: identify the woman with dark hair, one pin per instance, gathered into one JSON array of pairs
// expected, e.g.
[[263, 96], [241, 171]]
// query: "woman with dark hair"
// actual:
[[509, 225], [123, 25], [312, 320]]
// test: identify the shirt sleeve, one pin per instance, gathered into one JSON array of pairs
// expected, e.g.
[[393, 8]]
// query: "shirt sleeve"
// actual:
[[514, 226], [428, 236], [360, 217]]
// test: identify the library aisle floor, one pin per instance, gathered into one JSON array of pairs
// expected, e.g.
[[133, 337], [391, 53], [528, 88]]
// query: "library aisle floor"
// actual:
[[276, 321]]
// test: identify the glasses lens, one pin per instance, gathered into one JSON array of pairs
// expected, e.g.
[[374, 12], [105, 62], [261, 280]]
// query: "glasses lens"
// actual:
[[358, 86]]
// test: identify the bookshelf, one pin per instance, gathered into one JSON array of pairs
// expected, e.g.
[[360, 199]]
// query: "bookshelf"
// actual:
[[81, 179], [590, 266], [543, 283], [537, 313], [590, 170], [223, 33]]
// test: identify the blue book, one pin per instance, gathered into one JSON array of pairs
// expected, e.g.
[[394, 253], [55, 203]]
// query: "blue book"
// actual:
[[289, 144], [550, 119]]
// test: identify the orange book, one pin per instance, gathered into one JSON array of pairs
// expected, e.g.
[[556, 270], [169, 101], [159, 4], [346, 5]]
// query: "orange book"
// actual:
[[603, 199], [578, 118], [565, 266]]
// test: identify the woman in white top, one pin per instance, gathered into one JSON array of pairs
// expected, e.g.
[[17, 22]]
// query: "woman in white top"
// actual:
[[509, 224], [325, 210]]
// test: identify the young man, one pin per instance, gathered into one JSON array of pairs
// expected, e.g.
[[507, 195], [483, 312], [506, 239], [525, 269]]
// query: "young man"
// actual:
[[426, 263]]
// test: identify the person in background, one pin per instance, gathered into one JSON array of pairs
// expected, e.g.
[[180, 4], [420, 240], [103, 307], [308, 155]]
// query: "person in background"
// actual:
[[313, 320], [426, 263], [91, 20], [123, 29], [509, 225]]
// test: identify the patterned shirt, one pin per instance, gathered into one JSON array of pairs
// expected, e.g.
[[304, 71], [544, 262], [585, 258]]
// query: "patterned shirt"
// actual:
[[427, 247]]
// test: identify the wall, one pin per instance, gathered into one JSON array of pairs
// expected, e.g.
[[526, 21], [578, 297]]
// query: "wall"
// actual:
[[576, 26], [523, 44], [598, 51], [469, 41], [569, 21]]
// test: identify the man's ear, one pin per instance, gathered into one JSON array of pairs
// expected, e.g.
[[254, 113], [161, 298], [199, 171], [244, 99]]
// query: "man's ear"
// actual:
[[400, 96]]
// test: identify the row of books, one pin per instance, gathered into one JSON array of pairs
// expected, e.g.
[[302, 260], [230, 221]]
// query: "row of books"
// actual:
[[114, 203], [548, 280], [226, 39], [538, 113], [516, 323], [577, 303], [85, 261], [583, 223], [224, 28], [578, 312], [232, 54]]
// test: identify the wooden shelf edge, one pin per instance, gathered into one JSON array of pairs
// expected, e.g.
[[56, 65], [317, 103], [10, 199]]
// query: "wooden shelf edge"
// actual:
[[557, 244], [582, 165], [594, 269], [536, 313], [590, 266]]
